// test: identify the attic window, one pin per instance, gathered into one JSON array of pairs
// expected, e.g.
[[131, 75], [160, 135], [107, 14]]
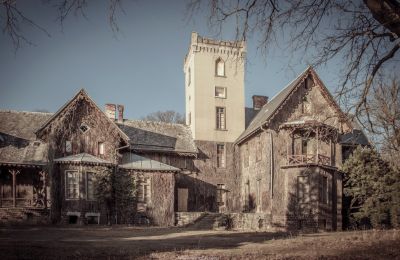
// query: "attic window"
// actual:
[[84, 128]]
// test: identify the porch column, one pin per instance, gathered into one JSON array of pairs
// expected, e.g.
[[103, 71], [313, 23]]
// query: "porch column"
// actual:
[[14, 174], [43, 175]]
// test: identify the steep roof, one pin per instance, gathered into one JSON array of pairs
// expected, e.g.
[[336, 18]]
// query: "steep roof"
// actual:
[[22, 124], [268, 110], [159, 136], [17, 138]]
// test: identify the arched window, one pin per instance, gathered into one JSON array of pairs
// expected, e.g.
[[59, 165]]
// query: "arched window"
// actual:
[[220, 67]]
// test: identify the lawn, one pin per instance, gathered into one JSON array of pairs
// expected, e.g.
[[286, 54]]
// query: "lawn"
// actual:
[[180, 243]]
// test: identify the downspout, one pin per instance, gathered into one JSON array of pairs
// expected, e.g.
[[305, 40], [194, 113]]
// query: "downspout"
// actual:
[[115, 174]]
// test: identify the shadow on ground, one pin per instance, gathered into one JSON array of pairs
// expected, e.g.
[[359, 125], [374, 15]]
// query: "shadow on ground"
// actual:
[[116, 243]]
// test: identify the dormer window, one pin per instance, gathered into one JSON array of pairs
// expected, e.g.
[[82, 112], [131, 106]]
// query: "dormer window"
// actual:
[[220, 67], [84, 128]]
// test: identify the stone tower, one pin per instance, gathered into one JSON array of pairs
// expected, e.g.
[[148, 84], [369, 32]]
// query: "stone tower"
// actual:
[[214, 89]]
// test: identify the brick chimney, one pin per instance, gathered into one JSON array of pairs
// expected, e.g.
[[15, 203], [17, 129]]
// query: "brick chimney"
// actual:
[[259, 101], [120, 113], [110, 111]]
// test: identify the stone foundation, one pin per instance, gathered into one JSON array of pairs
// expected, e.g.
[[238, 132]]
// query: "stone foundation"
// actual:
[[10, 216], [249, 221]]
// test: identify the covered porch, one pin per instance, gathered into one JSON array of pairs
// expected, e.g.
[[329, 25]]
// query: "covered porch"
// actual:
[[23, 186]]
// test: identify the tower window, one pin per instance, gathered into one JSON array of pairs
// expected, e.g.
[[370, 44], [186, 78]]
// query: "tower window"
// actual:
[[189, 77], [220, 67], [221, 156], [220, 115], [190, 118], [220, 92]]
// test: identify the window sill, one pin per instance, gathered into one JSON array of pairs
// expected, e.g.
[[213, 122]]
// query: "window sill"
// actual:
[[220, 97], [218, 129], [218, 76]]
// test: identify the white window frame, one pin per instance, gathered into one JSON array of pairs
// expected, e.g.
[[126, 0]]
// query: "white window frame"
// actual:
[[220, 123], [217, 67], [101, 148], [67, 184], [224, 92]]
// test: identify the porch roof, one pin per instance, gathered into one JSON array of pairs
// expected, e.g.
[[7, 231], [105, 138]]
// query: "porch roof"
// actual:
[[136, 162], [83, 158]]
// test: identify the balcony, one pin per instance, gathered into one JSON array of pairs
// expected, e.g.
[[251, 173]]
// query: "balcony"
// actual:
[[309, 159]]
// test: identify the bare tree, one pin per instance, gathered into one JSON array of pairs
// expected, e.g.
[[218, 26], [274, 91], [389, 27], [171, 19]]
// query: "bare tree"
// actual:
[[384, 110], [168, 116], [13, 18], [364, 34]]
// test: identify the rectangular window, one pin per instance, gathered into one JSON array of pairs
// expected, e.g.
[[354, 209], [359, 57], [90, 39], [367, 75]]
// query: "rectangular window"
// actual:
[[323, 190], [220, 92], [100, 147], [190, 118], [144, 191], [221, 194], [189, 77], [72, 184], [221, 156], [220, 115], [302, 189], [90, 185], [68, 146]]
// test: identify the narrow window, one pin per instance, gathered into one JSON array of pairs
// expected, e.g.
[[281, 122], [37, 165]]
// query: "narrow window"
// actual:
[[189, 76], [220, 118], [90, 185], [220, 67], [100, 147], [190, 118], [146, 190], [68, 146], [305, 106], [72, 185], [220, 92], [221, 194], [221, 156]]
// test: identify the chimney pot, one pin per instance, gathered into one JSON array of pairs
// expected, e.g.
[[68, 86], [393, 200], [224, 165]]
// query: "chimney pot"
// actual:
[[259, 101], [110, 111], [120, 113]]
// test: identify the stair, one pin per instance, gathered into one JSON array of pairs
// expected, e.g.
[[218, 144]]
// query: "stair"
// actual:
[[208, 222]]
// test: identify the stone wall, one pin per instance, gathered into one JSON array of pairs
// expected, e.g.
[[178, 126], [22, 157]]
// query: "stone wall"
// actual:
[[250, 221], [203, 180], [184, 218]]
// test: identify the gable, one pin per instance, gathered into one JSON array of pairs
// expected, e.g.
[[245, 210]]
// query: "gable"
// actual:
[[280, 103], [72, 113]]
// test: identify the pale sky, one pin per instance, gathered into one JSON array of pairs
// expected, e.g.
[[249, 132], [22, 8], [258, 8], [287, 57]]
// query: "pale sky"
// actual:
[[139, 67]]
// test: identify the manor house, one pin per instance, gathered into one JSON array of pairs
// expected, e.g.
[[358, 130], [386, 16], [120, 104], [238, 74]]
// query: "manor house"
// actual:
[[275, 164]]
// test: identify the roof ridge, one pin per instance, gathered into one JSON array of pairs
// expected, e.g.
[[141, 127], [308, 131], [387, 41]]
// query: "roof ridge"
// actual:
[[24, 111], [155, 122]]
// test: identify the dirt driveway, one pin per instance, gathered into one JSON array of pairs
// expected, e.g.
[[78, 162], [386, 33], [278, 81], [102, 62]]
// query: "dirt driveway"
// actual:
[[170, 243]]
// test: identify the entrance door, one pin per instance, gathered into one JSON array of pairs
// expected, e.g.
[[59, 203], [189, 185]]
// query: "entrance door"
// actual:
[[182, 199]]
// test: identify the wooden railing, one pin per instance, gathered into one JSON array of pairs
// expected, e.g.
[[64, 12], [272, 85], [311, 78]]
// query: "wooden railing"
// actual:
[[298, 159]]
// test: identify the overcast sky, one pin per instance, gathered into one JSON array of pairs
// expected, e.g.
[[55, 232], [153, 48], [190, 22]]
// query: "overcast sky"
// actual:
[[139, 67]]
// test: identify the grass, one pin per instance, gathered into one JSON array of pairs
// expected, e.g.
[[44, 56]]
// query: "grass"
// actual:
[[180, 243]]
